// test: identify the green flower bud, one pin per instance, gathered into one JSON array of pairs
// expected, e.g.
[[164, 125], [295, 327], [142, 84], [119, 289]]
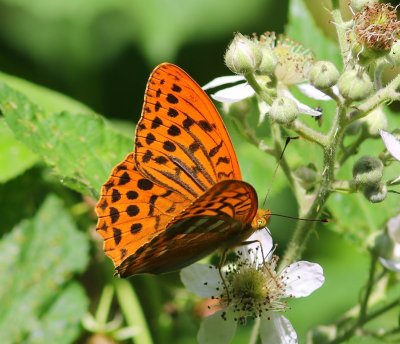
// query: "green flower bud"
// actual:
[[367, 171], [243, 55], [269, 62], [284, 110], [323, 75], [355, 85], [307, 176], [394, 55], [375, 121], [323, 334], [240, 110], [358, 5], [383, 245], [354, 128], [375, 193]]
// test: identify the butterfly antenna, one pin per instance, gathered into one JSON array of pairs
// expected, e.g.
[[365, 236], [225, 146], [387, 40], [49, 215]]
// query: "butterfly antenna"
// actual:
[[300, 218], [288, 139]]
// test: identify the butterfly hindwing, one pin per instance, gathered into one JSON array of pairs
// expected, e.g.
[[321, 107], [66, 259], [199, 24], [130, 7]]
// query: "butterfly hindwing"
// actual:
[[219, 218]]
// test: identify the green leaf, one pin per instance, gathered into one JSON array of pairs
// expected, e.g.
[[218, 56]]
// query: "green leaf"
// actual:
[[55, 323], [302, 28], [48, 99], [82, 148], [364, 340], [39, 258], [15, 158], [357, 218]]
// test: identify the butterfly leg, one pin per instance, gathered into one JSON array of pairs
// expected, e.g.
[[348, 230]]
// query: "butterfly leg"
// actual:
[[244, 243], [220, 265]]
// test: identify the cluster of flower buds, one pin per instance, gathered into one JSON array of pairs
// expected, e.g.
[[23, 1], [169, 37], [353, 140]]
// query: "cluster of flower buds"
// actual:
[[279, 63]]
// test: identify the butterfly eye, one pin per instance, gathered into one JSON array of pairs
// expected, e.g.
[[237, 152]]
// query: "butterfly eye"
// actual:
[[261, 223]]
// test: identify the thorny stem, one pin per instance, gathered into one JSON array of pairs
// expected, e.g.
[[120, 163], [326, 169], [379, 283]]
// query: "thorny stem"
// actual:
[[368, 290], [308, 133], [303, 230], [350, 332], [341, 33], [386, 94], [258, 89]]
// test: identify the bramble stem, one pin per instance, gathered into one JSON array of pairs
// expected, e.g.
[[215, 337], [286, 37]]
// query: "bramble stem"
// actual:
[[384, 95], [303, 230], [341, 33], [258, 89], [308, 133], [368, 290]]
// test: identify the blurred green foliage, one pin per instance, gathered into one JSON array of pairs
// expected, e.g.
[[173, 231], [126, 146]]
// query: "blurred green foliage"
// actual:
[[40, 302]]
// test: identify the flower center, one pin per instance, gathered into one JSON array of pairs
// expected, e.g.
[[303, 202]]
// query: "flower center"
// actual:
[[252, 289], [294, 60], [377, 26]]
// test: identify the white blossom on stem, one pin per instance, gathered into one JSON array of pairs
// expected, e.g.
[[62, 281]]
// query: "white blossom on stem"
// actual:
[[251, 287]]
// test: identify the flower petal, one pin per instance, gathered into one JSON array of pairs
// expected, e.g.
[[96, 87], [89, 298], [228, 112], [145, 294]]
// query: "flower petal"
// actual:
[[223, 80], [252, 251], [234, 94], [390, 264], [395, 181], [276, 329], [302, 278], [393, 226], [217, 330], [263, 109], [391, 143], [312, 92], [201, 279], [303, 108]]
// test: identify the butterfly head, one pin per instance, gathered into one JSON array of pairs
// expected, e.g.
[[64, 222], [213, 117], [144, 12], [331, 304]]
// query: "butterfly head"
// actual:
[[261, 219]]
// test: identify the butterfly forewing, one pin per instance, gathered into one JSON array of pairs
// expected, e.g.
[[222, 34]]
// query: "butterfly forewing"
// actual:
[[219, 218], [181, 140], [179, 196]]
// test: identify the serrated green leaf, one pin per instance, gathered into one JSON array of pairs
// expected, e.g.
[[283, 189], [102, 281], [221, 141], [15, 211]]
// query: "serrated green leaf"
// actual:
[[302, 28], [39, 258], [15, 158], [82, 148], [48, 99]]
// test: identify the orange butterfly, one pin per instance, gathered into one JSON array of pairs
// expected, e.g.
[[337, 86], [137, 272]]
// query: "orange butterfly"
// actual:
[[179, 196]]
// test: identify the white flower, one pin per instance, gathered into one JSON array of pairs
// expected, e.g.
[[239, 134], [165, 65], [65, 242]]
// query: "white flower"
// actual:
[[251, 287], [391, 257], [393, 146], [294, 63]]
